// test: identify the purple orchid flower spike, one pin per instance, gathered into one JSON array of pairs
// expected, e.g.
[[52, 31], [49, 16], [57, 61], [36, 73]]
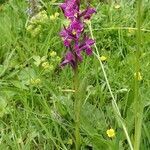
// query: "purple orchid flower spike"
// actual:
[[73, 36], [76, 41]]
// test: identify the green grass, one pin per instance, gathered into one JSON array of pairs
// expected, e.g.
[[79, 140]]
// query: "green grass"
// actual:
[[36, 104]]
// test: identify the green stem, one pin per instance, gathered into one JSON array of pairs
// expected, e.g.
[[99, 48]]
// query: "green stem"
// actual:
[[138, 104], [114, 103], [77, 109]]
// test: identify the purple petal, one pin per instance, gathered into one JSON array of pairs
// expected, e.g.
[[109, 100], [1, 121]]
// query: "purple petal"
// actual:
[[69, 56], [67, 37], [76, 24], [67, 42], [69, 59], [89, 42], [79, 56], [88, 13], [88, 51], [76, 28], [70, 8], [86, 46]]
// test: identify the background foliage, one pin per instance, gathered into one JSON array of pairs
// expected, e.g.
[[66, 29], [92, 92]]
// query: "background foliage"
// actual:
[[36, 107]]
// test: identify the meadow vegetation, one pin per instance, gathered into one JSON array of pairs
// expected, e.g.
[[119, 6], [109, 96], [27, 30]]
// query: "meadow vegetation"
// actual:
[[37, 95]]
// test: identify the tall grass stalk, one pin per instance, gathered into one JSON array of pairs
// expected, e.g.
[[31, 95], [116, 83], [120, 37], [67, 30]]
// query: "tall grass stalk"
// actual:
[[138, 108], [114, 104]]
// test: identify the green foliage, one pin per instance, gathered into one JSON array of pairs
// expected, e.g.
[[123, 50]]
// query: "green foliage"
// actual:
[[36, 96]]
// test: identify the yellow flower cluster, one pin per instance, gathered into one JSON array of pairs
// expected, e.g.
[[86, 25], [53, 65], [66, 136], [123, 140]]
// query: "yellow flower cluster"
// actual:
[[35, 81], [52, 53], [35, 22], [41, 17], [44, 63], [54, 56]]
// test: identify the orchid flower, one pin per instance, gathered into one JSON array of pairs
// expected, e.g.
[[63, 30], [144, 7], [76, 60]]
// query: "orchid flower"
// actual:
[[73, 36]]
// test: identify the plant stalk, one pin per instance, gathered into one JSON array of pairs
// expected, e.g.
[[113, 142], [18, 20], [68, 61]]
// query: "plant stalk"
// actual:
[[137, 101], [77, 109]]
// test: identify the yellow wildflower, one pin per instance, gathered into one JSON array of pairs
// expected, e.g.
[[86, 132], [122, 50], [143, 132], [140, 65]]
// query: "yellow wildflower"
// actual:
[[111, 133], [53, 1], [36, 31], [52, 53], [29, 28], [70, 142], [56, 14], [35, 81], [117, 6], [58, 59], [51, 67], [139, 76], [41, 17], [103, 58], [131, 32], [52, 17], [45, 65]]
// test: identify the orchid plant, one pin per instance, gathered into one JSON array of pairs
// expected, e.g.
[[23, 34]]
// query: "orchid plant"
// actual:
[[76, 41]]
